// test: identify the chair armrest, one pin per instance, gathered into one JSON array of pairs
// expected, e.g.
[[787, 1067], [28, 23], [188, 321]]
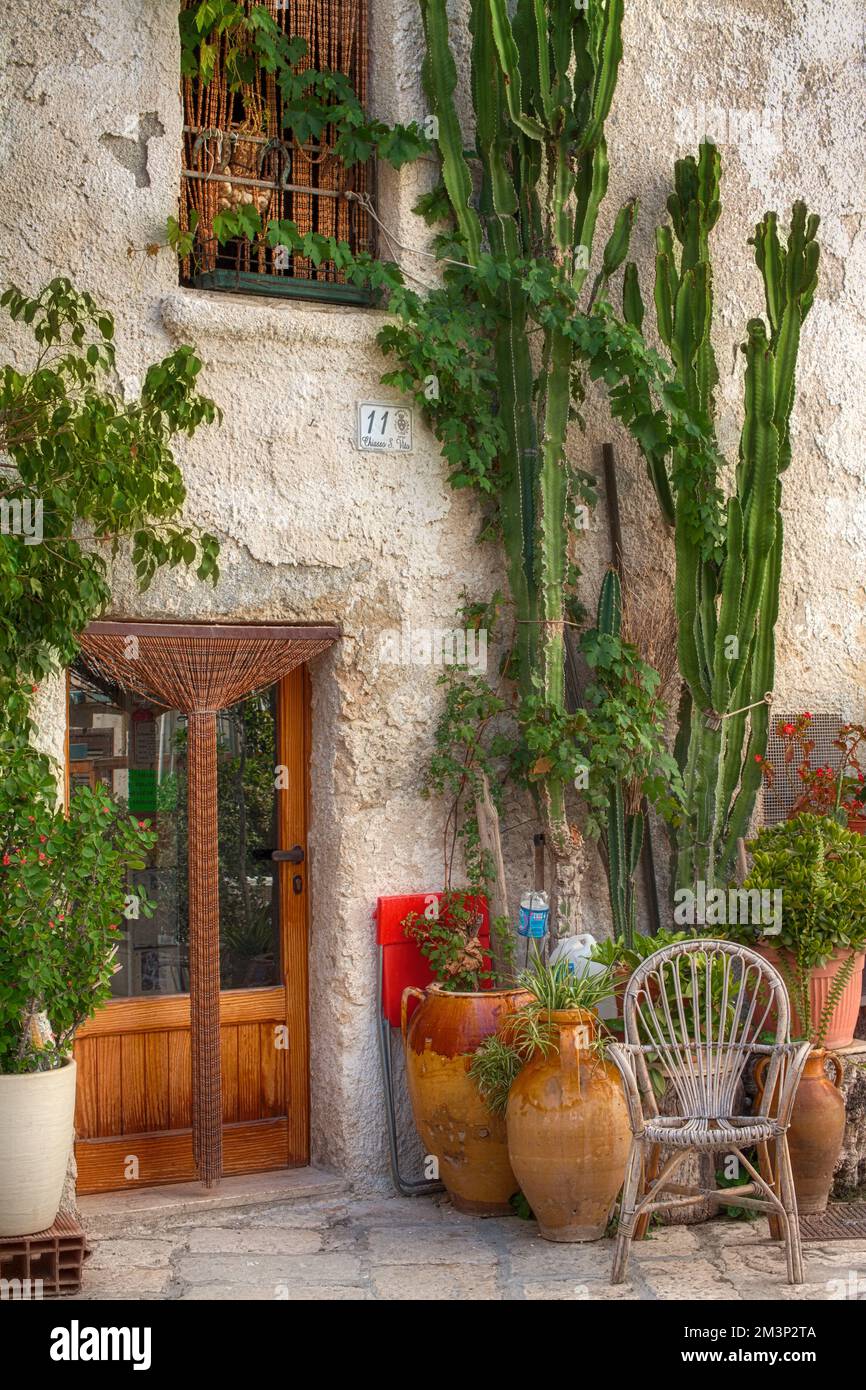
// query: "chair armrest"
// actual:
[[621, 1055], [793, 1076]]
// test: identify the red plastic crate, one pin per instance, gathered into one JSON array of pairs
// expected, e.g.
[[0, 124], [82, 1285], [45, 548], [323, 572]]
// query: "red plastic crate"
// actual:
[[402, 961]]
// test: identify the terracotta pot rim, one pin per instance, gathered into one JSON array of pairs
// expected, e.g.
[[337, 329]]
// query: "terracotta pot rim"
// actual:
[[572, 1015], [844, 951], [437, 988]]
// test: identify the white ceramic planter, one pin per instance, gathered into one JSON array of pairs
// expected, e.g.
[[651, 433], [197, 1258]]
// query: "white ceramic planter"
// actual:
[[36, 1119]]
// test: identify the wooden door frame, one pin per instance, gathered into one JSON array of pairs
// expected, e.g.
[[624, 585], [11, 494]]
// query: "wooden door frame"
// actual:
[[282, 1141], [293, 804]]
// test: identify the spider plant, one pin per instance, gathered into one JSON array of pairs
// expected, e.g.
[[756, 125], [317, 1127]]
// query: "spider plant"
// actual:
[[530, 1031], [557, 986]]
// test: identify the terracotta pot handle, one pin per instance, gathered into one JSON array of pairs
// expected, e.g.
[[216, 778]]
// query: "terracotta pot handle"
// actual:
[[760, 1068], [409, 992], [573, 1039], [838, 1069]]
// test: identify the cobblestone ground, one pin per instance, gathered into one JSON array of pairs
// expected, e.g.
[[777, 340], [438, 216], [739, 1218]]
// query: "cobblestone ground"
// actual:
[[394, 1248]]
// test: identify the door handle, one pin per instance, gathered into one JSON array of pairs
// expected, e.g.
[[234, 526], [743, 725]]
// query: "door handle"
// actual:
[[295, 855]]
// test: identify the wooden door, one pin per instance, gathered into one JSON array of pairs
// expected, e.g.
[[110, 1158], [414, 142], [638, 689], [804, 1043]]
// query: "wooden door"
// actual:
[[133, 1113]]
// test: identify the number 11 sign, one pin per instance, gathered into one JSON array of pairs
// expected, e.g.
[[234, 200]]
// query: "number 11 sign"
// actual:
[[384, 427]]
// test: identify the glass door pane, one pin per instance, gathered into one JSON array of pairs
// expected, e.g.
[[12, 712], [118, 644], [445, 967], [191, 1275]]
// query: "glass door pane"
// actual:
[[137, 750], [247, 813]]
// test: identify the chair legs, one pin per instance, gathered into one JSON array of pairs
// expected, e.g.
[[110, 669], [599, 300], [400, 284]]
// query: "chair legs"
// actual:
[[630, 1195], [788, 1197], [780, 1200]]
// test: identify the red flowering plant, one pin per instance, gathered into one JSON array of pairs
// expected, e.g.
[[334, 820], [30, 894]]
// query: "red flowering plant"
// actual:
[[838, 792], [63, 896]]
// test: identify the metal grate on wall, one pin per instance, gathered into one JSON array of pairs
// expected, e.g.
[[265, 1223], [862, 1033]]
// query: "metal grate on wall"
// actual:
[[236, 152], [782, 792]]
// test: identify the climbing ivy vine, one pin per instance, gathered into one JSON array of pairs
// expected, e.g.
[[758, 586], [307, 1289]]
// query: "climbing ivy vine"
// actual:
[[82, 471]]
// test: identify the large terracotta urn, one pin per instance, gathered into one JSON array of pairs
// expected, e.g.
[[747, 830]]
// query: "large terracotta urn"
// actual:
[[568, 1132], [843, 1020], [817, 1128], [454, 1123]]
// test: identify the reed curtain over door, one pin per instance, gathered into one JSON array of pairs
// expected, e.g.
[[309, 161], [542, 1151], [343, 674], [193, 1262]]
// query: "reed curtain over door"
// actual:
[[199, 671]]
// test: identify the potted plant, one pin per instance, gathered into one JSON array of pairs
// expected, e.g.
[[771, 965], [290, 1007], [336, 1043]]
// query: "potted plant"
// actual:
[[818, 946], [566, 1117], [820, 866], [62, 900], [623, 960], [821, 790], [453, 1018]]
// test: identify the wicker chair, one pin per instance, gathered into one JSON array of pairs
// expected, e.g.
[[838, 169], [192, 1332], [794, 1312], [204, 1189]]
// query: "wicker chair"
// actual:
[[695, 1011]]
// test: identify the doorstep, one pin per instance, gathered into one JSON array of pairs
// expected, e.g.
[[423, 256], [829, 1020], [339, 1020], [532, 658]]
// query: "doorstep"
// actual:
[[113, 1211]]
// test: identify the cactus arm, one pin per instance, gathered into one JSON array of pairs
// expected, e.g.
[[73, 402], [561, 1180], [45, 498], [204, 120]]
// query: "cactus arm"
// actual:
[[632, 302], [605, 41], [763, 675], [770, 262], [526, 169], [729, 610], [609, 612], [686, 601], [552, 532], [513, 362], [617, 861], [440, 81], [664, 298], [545, 92], [509, 57], [624, 833], [590, 188], [635, 836], [708, 622], [760, 449], [616, 247], [787, 348]]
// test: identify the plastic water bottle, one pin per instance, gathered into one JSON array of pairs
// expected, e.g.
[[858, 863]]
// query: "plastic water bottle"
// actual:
[[534, 912]]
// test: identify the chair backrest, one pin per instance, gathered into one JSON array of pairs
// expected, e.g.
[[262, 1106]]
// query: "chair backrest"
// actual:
[[701, 1007]]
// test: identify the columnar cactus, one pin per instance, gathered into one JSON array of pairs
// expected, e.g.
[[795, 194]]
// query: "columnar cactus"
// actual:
[[624, 832], [728, 550], [542, 86]]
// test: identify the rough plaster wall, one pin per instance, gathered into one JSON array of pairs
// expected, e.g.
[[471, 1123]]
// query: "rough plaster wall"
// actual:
[[779, 86], [311, 530]]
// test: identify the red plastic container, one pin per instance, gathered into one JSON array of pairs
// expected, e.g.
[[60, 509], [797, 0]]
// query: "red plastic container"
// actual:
[[402, 961]]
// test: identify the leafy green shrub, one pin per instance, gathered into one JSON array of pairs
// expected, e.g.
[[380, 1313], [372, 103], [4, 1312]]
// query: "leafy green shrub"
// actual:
[[62, 902], [614, 951], [820, 867]]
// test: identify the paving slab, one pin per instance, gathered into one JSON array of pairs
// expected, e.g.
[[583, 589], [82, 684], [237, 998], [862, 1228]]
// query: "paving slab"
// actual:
[[334, 1246]]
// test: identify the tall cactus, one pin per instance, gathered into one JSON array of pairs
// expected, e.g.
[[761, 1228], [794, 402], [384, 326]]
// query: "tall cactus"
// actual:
[[623, 838], [542, 85], [728, 551]]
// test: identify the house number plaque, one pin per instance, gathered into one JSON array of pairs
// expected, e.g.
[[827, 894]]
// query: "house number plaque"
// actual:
[[384, 427]]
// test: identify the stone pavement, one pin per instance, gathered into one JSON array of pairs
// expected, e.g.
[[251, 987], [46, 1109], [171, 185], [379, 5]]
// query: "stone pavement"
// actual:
[[344, 1247]]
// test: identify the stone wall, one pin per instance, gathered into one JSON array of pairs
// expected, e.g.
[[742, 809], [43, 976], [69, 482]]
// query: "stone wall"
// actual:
[[312, 530]]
